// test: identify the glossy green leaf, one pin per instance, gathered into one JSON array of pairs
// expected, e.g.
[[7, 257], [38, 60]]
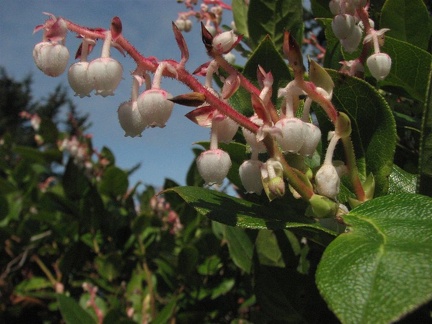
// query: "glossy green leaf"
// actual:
[[74, 181], [34, 283], [114, 182], [384, 259], [167, 312], [275, 16], [240, 14], [72, 312], [401, 181], [233, 211], [109, 265], [411, 67], [373, 127], [240, 247], [425, 161], [320, 9], [403, 18], [267, 248]]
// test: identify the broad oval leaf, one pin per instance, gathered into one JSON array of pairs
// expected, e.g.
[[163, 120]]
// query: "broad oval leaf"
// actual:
[[403, 18], [381, 269], [233, 211], [72, 312]]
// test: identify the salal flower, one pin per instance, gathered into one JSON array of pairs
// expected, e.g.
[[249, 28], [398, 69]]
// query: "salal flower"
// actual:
[[51, 58], [225, 42], [106, 74], [226, 128], [154, 107], [327, 181], [351, 43], [343, 25], [292, 134], [213, 166], [379, 65], [79, 80], [250, 176], [130, 119], [312, 136]]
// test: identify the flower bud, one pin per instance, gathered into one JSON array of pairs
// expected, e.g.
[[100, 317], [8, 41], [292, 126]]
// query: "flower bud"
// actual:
[[51, 58], [181, 24], [343, 25], [272, 179], [250, 176], [327, 181], [79, 80], [106, 74], [213, 166], [292, 137], [224, 42], [379, 65], [334, 6], [154, 107], [188, 25], [130, 119]]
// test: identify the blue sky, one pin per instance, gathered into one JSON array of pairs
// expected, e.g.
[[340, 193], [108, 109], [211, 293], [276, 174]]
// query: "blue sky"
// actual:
[[147, 24]]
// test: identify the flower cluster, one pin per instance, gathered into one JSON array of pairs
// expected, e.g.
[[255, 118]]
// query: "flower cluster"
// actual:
[[276, 136], [350, 21]]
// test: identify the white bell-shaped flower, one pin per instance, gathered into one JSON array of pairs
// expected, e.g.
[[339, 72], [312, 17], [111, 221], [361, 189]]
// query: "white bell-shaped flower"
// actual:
[[327, 181], [106, 74], [154, 107], [79, 80], [51, 58], [343, 25], [292, 134], [130, 119], [250, 176], [312, 136], [213, 166]]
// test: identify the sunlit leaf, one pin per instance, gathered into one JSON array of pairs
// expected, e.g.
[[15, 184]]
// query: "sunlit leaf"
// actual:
[[383, 260]]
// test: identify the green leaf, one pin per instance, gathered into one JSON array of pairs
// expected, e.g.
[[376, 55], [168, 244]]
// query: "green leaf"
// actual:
[[425, 161], [167, 312], [187, 259], [74, 181], [410, 69], [114, 182], [373, 127], [233, 211], [34, 283], [272, 17], [404, 17], [109, 266], [267, 248], [320, 9], [383, 260], [401, 181], [240, 247], [72, 312], [240, 14]]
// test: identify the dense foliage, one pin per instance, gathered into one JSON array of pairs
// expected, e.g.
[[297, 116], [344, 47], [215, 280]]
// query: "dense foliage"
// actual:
[[84, 245]]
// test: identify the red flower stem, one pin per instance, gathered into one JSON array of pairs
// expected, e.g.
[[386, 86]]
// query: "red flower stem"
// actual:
[[352, 168]]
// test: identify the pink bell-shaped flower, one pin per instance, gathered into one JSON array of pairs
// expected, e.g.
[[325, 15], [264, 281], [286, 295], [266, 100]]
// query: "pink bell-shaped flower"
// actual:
[[250, 176], [51, 58], [154, 107], [79, 80], [106, 74], [130, 119], [293, 136], [213, 166], [379, 65]]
